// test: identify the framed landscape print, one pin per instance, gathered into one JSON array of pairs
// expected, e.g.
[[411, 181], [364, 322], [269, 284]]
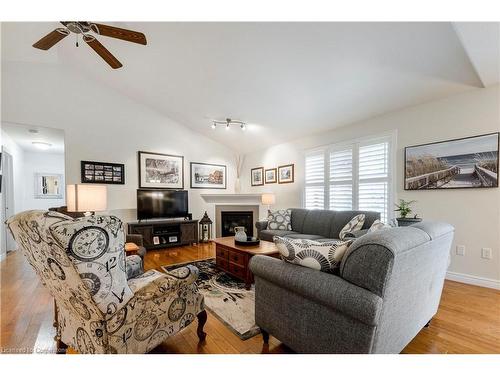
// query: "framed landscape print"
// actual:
[[95, 172], [270, 176], [208, 176], [257, 176], [161, 171], [286, 174], [463, 163]]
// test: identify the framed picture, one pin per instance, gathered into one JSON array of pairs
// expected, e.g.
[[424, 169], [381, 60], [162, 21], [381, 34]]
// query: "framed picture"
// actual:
[[462, 163], [257, 176], [96, 172], [208, 176], [161, 171], [270, 176], [48, 186], [286, 174]]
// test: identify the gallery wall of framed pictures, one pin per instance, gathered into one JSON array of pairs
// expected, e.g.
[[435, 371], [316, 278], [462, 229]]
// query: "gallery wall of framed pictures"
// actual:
[[463, 163], [95, 172], [284, 174]]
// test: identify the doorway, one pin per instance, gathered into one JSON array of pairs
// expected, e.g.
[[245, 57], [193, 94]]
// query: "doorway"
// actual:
[[8, 243]]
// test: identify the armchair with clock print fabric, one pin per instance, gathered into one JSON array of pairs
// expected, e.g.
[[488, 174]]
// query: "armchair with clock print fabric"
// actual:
[[83, 264]]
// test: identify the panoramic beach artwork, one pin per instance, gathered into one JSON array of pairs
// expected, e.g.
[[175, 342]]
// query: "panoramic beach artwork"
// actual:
[[461, 163]]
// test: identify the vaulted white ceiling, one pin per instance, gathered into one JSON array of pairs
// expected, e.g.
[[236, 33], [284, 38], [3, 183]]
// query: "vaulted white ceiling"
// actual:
[[286, 80]]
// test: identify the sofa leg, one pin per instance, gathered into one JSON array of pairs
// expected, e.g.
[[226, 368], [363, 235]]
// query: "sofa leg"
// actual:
[[265, 336], [428, 323], [202, 319]]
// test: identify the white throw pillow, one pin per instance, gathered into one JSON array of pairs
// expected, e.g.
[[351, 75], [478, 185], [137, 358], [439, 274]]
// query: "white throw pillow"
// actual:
[[321, 256], [279, 220], [378, 225], [356, 223]]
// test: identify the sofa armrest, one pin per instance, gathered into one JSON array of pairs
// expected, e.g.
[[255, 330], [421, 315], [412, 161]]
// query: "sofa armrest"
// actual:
[[261, 225], [324, 288]]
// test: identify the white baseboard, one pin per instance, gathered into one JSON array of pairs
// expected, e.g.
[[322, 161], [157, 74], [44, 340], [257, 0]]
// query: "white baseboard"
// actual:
[[473, 280]]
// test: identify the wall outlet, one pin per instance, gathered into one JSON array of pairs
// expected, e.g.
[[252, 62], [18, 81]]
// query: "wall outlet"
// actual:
[[460, 250], [486, 253]]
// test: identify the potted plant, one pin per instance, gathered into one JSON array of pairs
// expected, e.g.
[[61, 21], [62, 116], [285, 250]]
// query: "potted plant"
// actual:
[[404, 209]]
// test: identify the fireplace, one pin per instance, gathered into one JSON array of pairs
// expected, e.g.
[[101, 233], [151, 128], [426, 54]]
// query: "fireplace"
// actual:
[[231, 219]]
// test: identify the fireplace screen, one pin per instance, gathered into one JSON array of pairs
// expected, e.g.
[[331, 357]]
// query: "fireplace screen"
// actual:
[[231, 219]]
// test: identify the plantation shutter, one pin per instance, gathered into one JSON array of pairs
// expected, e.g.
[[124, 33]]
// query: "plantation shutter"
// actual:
[[355, 176], [315, 180], [373, 174], [341, 180]]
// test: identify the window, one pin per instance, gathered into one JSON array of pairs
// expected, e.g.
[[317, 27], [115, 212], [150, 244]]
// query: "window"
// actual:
[[353, 176]]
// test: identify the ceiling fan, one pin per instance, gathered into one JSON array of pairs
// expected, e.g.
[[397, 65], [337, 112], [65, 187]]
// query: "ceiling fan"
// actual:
[[85, 28]]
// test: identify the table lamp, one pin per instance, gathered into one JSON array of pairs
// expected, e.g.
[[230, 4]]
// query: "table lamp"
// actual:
[[86, 198], [268, 199]]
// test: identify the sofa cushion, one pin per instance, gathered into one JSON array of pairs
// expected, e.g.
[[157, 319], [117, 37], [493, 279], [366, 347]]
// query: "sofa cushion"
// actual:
[[279, 220], [343, 217], [378, 225], [268, 234], [318, 222], [328, 240], [321, 256], [302, 236], [298, 217], [355, 224]]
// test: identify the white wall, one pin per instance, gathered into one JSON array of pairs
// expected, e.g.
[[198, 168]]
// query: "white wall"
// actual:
[[102, 125], [475, 213], [40, 162], [17, 153]]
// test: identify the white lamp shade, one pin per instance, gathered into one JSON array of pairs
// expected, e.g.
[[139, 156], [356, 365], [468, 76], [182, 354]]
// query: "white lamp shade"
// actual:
[[268, 199], [86, 198]]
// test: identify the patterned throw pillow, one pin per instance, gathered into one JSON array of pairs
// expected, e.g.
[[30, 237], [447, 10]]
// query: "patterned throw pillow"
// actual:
[[321, 256], [378, 225], [279, 220], [95, 244], [355, 224]]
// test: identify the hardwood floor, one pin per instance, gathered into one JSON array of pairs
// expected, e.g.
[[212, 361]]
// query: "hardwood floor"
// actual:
[[468, 320]]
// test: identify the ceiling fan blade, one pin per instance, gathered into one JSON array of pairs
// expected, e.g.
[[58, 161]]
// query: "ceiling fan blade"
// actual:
[[102, 51], [51, 39], [118, 33]]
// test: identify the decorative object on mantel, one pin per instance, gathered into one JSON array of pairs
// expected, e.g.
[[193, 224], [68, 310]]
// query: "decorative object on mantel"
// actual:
[[96, 172], [270, 176], [257, 176], [404, 209], [205, 228], [48, 186], [470, 162], [239, 165], [268, 199], [208, 176], [286, 174], [228, 122], [161, 171]]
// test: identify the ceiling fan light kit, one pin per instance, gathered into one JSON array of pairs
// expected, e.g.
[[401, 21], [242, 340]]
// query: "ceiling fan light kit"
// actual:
[[228, 122], [85, 28]]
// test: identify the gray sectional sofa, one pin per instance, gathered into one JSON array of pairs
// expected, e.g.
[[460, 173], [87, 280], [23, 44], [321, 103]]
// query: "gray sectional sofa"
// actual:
[[388, 288], [318, 225]]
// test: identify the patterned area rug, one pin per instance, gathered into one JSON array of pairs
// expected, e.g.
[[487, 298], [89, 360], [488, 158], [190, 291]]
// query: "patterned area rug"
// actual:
[[226, 298]]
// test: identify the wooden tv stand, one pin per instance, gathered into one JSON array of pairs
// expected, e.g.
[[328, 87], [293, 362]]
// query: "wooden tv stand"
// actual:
[[159, 234]]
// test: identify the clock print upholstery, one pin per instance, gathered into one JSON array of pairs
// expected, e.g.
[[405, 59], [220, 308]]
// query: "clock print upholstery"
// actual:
[[322, 256], [98, 309], [95, 245]]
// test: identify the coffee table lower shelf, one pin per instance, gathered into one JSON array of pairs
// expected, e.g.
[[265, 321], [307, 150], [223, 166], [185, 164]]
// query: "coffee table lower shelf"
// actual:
[[235, 259]]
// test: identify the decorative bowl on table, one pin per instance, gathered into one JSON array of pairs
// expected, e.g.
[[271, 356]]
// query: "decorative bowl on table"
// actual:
[[250, 241]]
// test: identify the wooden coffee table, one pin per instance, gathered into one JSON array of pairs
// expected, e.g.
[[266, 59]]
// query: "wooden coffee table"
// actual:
[[234, 259]]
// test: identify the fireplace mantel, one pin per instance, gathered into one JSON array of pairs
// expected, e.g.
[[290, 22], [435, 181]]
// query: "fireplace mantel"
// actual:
[[232, 198]]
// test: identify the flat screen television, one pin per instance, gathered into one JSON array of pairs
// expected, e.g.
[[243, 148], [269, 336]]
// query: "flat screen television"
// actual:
[[157, 204]]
